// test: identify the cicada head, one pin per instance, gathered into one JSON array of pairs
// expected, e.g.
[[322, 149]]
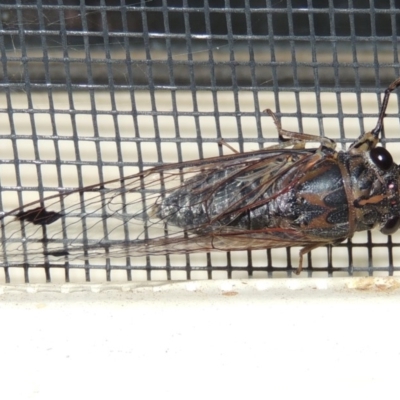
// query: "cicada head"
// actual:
[[390, 174]]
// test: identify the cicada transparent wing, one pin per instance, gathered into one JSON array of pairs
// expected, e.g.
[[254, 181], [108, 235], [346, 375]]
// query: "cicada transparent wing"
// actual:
[[218, 204]]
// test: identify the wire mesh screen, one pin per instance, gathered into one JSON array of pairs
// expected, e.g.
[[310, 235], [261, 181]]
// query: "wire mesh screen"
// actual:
[[98, 90]]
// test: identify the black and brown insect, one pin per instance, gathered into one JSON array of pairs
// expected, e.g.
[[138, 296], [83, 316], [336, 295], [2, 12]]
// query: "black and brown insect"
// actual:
[[281, 196]]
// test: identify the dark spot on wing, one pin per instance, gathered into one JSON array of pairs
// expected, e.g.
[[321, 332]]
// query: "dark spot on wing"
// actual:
[[39, 216], [58, 253]]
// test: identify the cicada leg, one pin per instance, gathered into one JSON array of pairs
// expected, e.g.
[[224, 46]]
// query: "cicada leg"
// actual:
[[369, 140], [296, 139], [302, 253]]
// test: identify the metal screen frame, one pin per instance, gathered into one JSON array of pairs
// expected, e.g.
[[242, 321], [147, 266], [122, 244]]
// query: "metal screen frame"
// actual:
[[258, 48]]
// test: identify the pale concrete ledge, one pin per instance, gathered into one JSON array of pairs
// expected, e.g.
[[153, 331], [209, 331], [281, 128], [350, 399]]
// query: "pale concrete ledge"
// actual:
[[329, 338]]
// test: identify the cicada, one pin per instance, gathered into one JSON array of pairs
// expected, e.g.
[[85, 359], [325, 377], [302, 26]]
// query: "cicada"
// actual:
[[282, 196]]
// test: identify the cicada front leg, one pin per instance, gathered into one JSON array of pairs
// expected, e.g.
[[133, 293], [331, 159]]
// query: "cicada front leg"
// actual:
[[369, 140], [296, 139]]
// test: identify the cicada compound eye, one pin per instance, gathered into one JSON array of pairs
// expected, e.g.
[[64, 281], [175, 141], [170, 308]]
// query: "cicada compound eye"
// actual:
[[381, 158], [391, 226]]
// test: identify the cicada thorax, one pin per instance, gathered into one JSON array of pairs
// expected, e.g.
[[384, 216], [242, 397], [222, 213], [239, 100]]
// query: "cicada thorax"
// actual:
[[321, 207]]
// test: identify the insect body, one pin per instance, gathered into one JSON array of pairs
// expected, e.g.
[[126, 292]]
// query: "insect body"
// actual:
[[275, 197]]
